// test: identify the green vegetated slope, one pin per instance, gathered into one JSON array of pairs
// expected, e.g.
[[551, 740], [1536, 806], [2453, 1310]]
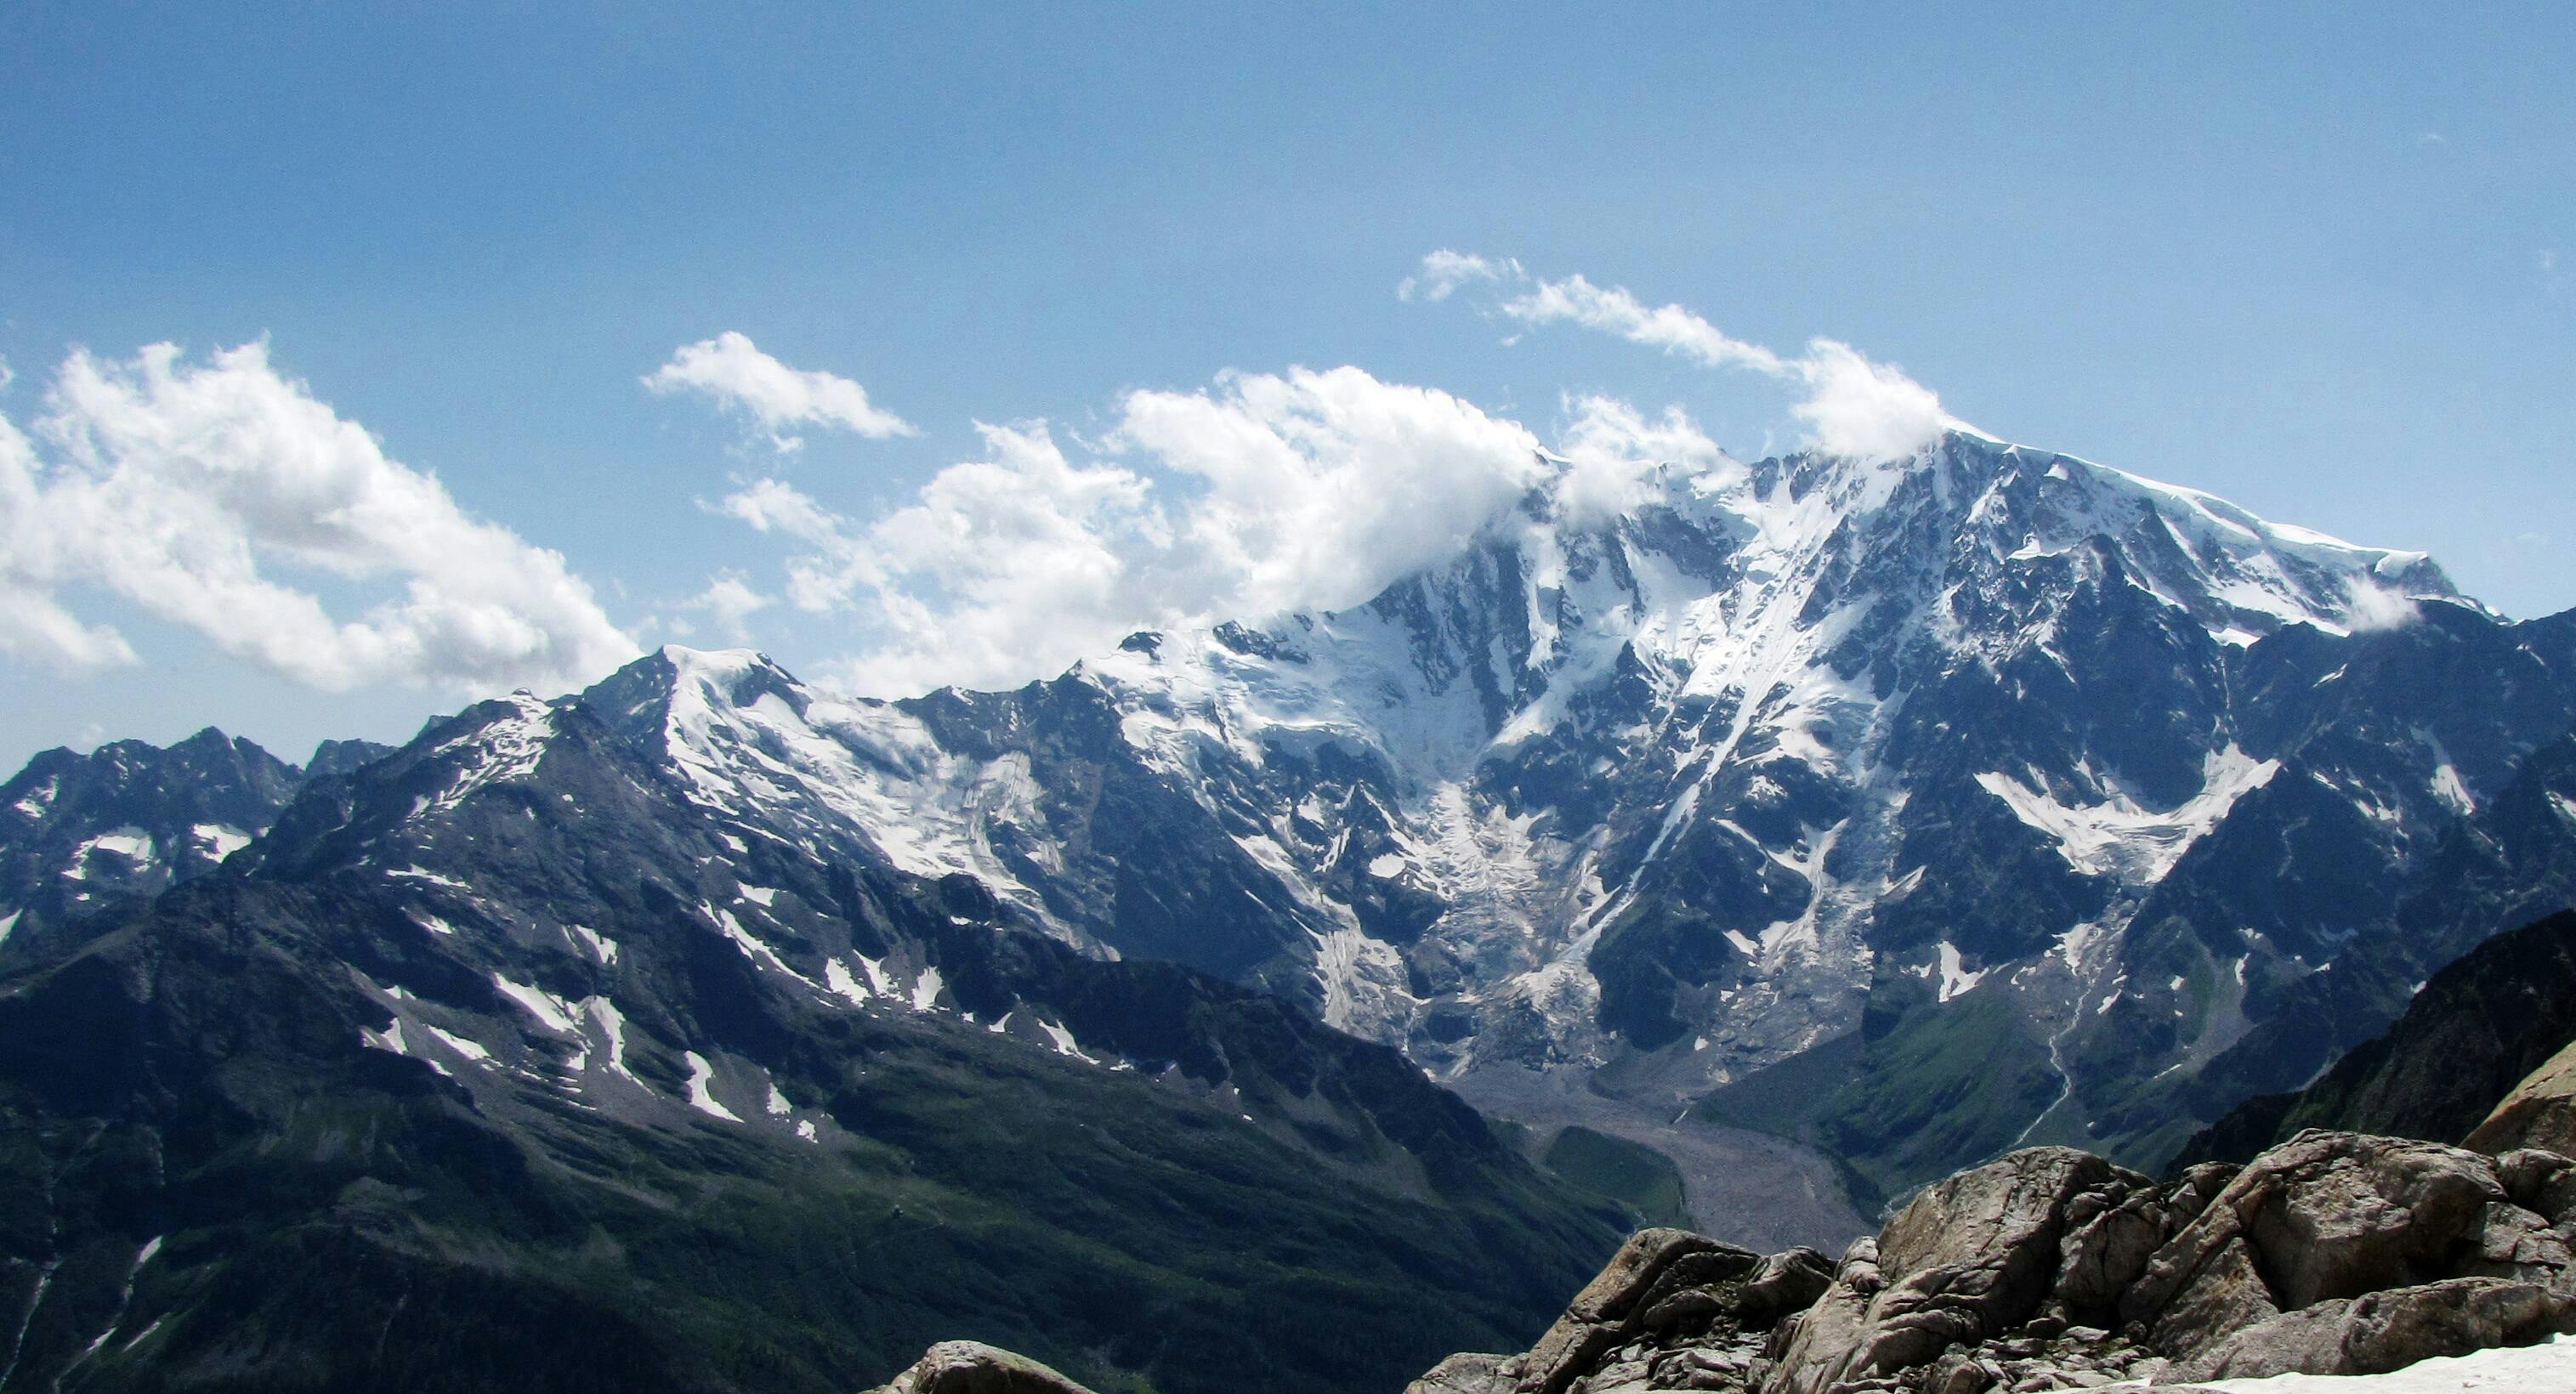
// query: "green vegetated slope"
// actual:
[[1898, 1101], [1631, 1173]]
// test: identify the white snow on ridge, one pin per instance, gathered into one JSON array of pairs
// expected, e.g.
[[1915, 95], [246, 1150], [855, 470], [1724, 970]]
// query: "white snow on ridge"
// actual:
[[553, 1011], [702, 1074], [506, 748], [600, 945], [2118, 837], [35, 801], [840, 765], [836, 976], [132, 843], [220, 840], [1954, 979], [1719, 613], [413, 873]]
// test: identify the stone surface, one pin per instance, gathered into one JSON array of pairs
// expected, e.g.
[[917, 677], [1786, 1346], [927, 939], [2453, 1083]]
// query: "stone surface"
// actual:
[[971, 1367], [2335, 1253], [1469, 1372], [2540, 1112], [1595, 1320], [1970, 1257], [2322, 1216], [2384, 1331]]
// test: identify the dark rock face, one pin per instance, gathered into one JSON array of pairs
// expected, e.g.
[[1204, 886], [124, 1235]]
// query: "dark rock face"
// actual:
[[2335, 1253], [2474, 1032], [89, 837]]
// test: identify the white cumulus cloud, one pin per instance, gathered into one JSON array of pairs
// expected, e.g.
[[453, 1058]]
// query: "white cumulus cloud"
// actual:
[[1851, 405], [733, 371], [1266, 492], [203, 493]]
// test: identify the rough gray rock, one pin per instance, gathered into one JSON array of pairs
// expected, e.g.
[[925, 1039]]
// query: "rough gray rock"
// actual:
[[971, 1367], [1469, 1372], [1600, 1315], [2334, 1253], [1971, 1257], [2385, 1331], [2325, 1216], [2539, 1112]]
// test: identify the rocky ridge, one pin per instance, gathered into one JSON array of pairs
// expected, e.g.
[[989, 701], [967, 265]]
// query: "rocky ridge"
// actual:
[[2334, 1253]]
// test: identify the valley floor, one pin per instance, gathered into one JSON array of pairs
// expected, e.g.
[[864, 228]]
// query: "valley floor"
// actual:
[[1763, 1192]]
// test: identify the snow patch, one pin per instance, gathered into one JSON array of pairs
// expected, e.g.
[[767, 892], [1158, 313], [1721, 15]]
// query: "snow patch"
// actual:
[[413, 873], [702, 1074], [600, 945], [1061, 1039], [1954, 978], [553, 1011], [836, 977], [2540, 1369], [220, 840], [2118, 837], [471, 1050]]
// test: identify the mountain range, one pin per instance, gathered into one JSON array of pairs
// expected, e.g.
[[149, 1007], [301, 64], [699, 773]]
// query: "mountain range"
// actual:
[[1825, 826]]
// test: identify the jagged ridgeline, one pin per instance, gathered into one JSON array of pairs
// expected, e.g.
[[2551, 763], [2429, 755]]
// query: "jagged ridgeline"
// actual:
[[1903, 813], [503, 1061]]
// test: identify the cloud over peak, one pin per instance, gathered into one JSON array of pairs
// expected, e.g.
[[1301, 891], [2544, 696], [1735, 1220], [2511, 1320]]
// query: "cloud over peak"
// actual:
[[1262, 493], [1851, 405], [731, 370]]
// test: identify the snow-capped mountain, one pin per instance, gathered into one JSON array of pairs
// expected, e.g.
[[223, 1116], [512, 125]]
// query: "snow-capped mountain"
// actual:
[[1913, 809], [1808, 759]]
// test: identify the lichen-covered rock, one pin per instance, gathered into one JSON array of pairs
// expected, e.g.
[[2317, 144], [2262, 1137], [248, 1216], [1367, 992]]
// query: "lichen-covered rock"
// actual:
[[971, 1367]]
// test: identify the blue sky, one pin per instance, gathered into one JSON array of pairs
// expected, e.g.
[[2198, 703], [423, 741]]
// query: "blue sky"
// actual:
[[2315, 259]]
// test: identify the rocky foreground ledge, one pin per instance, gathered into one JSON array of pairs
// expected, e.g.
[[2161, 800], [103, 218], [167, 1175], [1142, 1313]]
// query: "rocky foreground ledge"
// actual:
[[2334, 1253], [2331, 1254]]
